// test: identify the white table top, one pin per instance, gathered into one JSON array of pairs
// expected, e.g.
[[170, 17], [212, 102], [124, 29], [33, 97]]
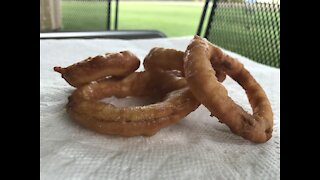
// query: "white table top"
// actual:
[[197, 147]]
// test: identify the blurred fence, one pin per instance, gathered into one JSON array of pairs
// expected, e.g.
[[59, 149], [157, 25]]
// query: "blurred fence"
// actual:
[[250, 29]]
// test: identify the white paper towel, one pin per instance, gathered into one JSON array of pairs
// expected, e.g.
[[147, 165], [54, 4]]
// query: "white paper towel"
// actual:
[[197, 147]]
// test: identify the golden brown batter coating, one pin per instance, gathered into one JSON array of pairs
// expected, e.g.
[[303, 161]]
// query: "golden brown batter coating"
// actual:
[[176, 100], [199, 56], [111, 64], [170, 59]]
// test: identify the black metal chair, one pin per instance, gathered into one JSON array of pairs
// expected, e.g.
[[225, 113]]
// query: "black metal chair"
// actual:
[[251, 29]]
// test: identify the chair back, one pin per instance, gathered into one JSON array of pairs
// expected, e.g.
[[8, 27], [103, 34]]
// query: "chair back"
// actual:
[[248, 27]]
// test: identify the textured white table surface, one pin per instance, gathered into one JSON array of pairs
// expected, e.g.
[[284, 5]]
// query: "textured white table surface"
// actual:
[[197, 147]]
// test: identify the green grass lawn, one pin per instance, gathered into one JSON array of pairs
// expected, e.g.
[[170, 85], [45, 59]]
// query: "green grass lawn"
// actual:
[[83, 16], [172, 18], [233, 27]]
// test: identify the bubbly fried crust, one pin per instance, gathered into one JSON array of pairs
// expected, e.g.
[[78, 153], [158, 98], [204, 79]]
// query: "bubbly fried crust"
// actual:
[[118, 64], [164, 59], [170, 59], [176, 102], [89, 76], [200, 75]]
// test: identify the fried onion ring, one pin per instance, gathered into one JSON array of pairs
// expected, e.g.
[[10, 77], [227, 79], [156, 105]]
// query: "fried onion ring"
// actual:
[[111, 64], [198, 60], [84, 107], [170, 59], [177, 102]]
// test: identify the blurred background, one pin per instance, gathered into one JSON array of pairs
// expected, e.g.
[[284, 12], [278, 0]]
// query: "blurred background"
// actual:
[[248, 27], [174, 18]]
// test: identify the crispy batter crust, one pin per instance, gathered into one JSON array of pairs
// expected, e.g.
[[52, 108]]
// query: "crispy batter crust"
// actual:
[[84, 107], [200, 75], [170, 59], [118, 64]]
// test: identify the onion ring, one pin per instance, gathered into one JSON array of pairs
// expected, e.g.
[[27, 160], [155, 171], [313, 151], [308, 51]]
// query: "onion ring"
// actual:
[[111, 64], [177, 102], [170, 59], [200, 75], [83, 107]]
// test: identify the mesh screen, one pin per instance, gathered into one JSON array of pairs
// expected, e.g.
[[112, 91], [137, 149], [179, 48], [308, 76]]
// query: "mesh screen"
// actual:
[[250, 29]]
